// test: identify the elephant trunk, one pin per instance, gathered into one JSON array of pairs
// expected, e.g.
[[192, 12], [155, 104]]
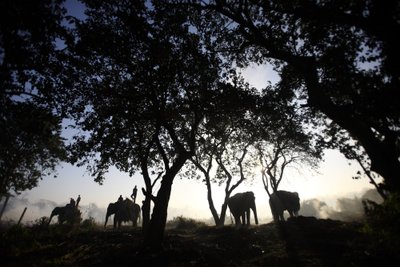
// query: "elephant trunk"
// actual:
[[51, 216], [53, 213], [107, 215]]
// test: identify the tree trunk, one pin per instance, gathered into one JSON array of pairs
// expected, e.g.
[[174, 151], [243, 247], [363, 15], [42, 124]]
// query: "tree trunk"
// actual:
[[154, 234], [211, 202], [147, 200], [147, 192], [146, 213], [386, 163], [223, 213]]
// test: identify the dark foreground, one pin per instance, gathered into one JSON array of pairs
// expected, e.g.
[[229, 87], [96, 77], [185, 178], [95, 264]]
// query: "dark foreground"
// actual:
[[303, 241]]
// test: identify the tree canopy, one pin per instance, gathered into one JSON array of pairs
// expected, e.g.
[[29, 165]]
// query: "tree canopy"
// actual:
[[340, 59], [139, 95], [30, 143]]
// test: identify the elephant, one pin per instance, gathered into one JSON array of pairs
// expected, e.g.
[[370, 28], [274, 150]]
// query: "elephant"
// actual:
[[68, 213], [123, 211], [284, 200], [240, 205]]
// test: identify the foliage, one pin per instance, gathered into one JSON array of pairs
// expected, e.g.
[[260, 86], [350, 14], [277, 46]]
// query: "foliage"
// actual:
[[225, 139], [182, 223], [16, 239], [89, 224], [30, 148], [333, 59], [284, 140], [41, 224], [382, 222], [30, 144], [139, 94], [141, 104]]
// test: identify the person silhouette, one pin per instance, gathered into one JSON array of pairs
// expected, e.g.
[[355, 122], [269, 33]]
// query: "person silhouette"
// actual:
[[134, 193], [71, 203], [120, 198], [78, 200]]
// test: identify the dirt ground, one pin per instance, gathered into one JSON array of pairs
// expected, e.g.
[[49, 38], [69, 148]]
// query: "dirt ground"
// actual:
[[303, 241]]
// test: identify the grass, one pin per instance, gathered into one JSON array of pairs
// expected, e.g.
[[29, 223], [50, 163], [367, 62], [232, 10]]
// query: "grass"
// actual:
[[303, 241]]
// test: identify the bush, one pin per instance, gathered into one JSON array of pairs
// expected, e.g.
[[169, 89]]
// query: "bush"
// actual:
[[89, 224], [182, 223], [382, 221], [41, 223], [16, 239]]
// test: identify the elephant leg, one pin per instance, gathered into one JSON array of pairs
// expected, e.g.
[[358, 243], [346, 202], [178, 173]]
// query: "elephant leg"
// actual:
[[105, 223], [277, 217], [248, 217], [242, 219], [134, 220], [237, 220], [275, 214], [281, 218]]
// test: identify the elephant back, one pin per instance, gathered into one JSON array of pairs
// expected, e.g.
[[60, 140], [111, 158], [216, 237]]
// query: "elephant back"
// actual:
[[72, 214], [68, 213], [241, 201], [286, 200], [125, 210]]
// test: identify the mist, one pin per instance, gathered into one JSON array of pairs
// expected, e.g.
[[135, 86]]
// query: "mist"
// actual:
[[43, 208], [346, 209]]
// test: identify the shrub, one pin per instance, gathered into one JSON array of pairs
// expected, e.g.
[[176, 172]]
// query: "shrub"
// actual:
[[89, 224], [16, 239], [182, 223], [41, 223], [382, 221]]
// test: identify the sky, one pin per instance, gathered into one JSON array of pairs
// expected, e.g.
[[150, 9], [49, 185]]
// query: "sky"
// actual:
[[324, 192]]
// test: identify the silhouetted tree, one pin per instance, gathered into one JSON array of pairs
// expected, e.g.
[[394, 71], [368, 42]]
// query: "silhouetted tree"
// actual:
[[141, 87], [30, 142], [340, 59], [233, 167], [284, 140], [222, 155]]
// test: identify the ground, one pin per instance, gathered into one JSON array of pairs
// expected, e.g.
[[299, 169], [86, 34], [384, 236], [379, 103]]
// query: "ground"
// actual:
[[302, 241]]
